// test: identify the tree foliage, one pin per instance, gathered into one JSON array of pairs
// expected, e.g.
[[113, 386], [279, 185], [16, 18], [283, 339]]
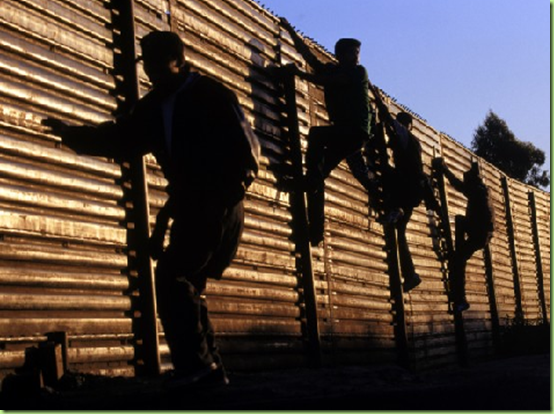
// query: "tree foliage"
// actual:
[[497, 144]]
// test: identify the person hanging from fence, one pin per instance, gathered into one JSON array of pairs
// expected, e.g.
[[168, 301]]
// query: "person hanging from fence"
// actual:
[[346, 98], [473, 230], [404, 186], [198, 133]]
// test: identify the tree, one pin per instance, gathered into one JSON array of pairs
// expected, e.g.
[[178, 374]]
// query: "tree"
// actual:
[[497, 144]]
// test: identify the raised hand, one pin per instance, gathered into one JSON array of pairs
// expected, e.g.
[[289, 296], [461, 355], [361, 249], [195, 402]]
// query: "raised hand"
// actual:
[[57, 127]]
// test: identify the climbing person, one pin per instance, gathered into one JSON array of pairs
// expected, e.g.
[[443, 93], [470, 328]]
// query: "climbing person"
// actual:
[[345, 85], [404, 186], [473, 230]]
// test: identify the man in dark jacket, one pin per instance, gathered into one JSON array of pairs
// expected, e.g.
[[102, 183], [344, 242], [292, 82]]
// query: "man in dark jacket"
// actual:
[[346, 97], [405, 185], [197, 131], [473, 231]]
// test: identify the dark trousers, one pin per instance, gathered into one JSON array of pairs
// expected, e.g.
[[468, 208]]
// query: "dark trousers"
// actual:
[[468, 241], [204, 241], [327, 147], [405, 257], [405, 193]]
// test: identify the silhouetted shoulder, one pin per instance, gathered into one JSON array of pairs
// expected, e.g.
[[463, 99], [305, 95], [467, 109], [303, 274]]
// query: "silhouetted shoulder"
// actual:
[[361, 75], [330, 66], [362, 71], [213, 89]]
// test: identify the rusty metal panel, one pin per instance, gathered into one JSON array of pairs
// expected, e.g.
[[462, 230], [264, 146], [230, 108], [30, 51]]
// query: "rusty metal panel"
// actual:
[[500, 247], [477, 320], [257, 302], [355, 269], [542, 200], [525, 251], [350, 266], [356, 272], [62, 223], [259, 298], [429, 324], [63, 262]]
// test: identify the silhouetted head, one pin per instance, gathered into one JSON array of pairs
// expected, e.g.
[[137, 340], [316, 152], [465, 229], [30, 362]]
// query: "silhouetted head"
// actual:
[[347, 51], [405, 119], [163, 54], [472, 175]]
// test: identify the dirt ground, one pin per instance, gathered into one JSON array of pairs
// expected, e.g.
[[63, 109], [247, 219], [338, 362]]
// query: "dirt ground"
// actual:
[[515, 383]]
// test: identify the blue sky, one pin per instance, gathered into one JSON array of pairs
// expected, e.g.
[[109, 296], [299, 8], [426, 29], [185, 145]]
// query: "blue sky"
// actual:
[[450, 61]]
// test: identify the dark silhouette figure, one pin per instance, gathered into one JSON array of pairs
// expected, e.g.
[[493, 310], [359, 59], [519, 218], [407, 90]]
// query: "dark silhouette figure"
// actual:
[[346, 97], [197, 131], [473, 231], [405, 185], [363, 163]]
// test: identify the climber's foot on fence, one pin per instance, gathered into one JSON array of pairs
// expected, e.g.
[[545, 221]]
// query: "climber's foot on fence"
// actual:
[[411, 282], [392, 217], [460, 306]]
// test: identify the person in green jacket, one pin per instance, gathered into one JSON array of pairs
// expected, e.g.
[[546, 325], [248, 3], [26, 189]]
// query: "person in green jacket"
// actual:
[[345, 85]]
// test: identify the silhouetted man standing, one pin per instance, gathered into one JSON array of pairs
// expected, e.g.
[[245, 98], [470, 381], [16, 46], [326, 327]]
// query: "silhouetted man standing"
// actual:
[[209, 155], [346, 97], [473, 231]]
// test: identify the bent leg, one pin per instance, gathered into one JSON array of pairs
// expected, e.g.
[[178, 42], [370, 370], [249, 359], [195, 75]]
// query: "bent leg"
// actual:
[[362, 171], [411, 278], [465, 247], [341, 143], [318, 140], [327, 147], [181, 276]]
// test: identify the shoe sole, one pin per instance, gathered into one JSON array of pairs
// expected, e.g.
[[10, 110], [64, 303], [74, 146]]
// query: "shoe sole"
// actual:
[[189, 381]]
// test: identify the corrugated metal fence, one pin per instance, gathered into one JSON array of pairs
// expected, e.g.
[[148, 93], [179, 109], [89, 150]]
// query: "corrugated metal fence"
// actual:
[[65, 260]]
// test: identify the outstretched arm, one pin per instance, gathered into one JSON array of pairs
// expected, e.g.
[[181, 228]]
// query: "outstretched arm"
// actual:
[[455, 181], [381, 107], [119, 140], [321, 75], [385, 115], [302, 47], [101, 140]]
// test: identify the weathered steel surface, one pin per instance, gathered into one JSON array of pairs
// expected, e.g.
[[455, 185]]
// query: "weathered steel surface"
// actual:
[[500, 249], [542, 201], [63, 218], [525, 251]]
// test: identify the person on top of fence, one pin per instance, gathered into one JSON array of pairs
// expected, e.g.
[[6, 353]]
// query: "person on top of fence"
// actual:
[[346, 97], [473, 231], [405, 185], [198, 133]]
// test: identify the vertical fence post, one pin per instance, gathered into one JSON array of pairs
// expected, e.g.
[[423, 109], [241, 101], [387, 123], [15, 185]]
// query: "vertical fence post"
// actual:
[[491, 291], [513, 253], [461, 339], [300, 218], [538, 255], [391, 249], [137, 235], [400, 333]]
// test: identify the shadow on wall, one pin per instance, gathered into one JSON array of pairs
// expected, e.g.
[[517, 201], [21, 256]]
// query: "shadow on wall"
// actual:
[[265, 86], [525, 338]]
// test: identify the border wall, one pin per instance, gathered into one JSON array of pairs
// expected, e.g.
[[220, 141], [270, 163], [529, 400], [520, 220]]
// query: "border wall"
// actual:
[[68, 223]]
